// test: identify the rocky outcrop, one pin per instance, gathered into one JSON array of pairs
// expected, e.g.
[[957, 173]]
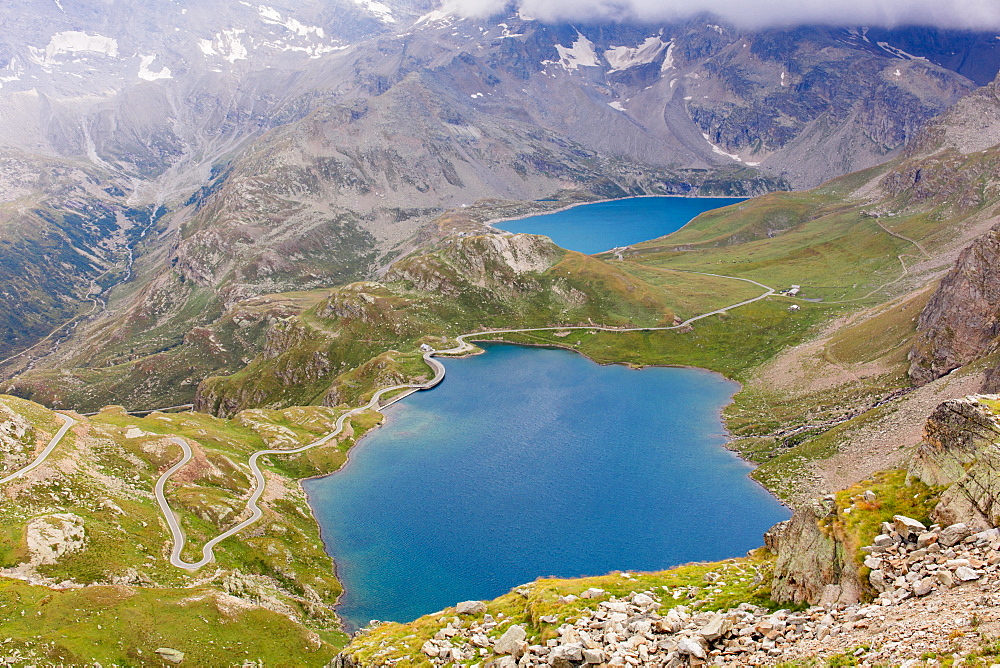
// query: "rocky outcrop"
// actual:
[[647, 628], [51, 536], [991, 383], [48, 538], [812, 565], [501, 262], [962, 320], [15, 439], [960, 452]]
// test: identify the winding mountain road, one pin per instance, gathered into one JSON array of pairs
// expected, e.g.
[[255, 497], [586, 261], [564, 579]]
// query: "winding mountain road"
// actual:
[[68, 422], [207, 551]]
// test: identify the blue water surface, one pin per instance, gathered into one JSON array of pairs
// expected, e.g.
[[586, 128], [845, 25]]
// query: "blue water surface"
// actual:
[[528, 462], [594, 228]]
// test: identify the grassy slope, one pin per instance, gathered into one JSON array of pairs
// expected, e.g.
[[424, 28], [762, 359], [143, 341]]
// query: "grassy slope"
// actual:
[[118, 625], [387, 323], [105, 478]]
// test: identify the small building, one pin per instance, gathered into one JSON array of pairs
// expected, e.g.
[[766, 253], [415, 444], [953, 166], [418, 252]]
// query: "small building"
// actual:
[[794, 307], [794, 290], [424, 348]]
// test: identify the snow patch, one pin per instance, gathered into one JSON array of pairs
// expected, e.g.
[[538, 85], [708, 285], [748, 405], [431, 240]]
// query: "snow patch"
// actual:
[[712, 26], [616, 105], [273, 17], [149, 75], [507, 33], [73, 41], [581, 54], [716, 149], [206, 47], [623, 57], [226, 44], [476, 96], [436, 16], [899, 53], [668, 60], [381, 11], [12, 72]]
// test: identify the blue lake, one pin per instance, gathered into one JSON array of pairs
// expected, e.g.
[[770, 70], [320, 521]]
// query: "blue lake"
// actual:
[[528, 462], [595, 228]]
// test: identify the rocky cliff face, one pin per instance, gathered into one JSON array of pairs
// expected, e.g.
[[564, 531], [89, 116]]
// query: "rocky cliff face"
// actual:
[[960, 452], [959, 462], [962, 320], [502, 263], [813, 564]]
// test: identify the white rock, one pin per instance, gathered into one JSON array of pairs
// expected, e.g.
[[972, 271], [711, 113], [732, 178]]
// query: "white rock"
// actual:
[[907, 526], [923, 587], [511, 640], [691, 647], [470, 608], [954, 534], [716, 627]]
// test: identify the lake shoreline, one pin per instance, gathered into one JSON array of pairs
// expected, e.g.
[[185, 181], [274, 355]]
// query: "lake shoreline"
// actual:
[[493, 221], [600, 226], [722, 439]]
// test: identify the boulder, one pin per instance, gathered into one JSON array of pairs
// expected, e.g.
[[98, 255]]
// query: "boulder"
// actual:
[[470, 608], [965, 574], [954, 534], [718, 626], [927, 539], [907, 527], [171, 655], [878, 580], [502, 662], [594, 656], [958, 453], [695, 647], [593, 592], [510, 641], [923, 586], [643, 600], [568, 653]]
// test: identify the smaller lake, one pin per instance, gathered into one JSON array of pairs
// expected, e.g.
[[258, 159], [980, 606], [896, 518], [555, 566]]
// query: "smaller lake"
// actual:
[[528, 462], [595, 228]]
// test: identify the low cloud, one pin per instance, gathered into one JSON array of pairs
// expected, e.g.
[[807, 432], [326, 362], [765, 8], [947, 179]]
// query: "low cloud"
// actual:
[[962, 14]]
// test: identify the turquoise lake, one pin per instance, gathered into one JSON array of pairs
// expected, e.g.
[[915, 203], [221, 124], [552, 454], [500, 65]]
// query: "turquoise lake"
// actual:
[[595, 228], [528, 462]]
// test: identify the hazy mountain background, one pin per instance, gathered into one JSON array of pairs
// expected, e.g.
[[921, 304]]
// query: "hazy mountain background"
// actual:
[[198, 154]]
